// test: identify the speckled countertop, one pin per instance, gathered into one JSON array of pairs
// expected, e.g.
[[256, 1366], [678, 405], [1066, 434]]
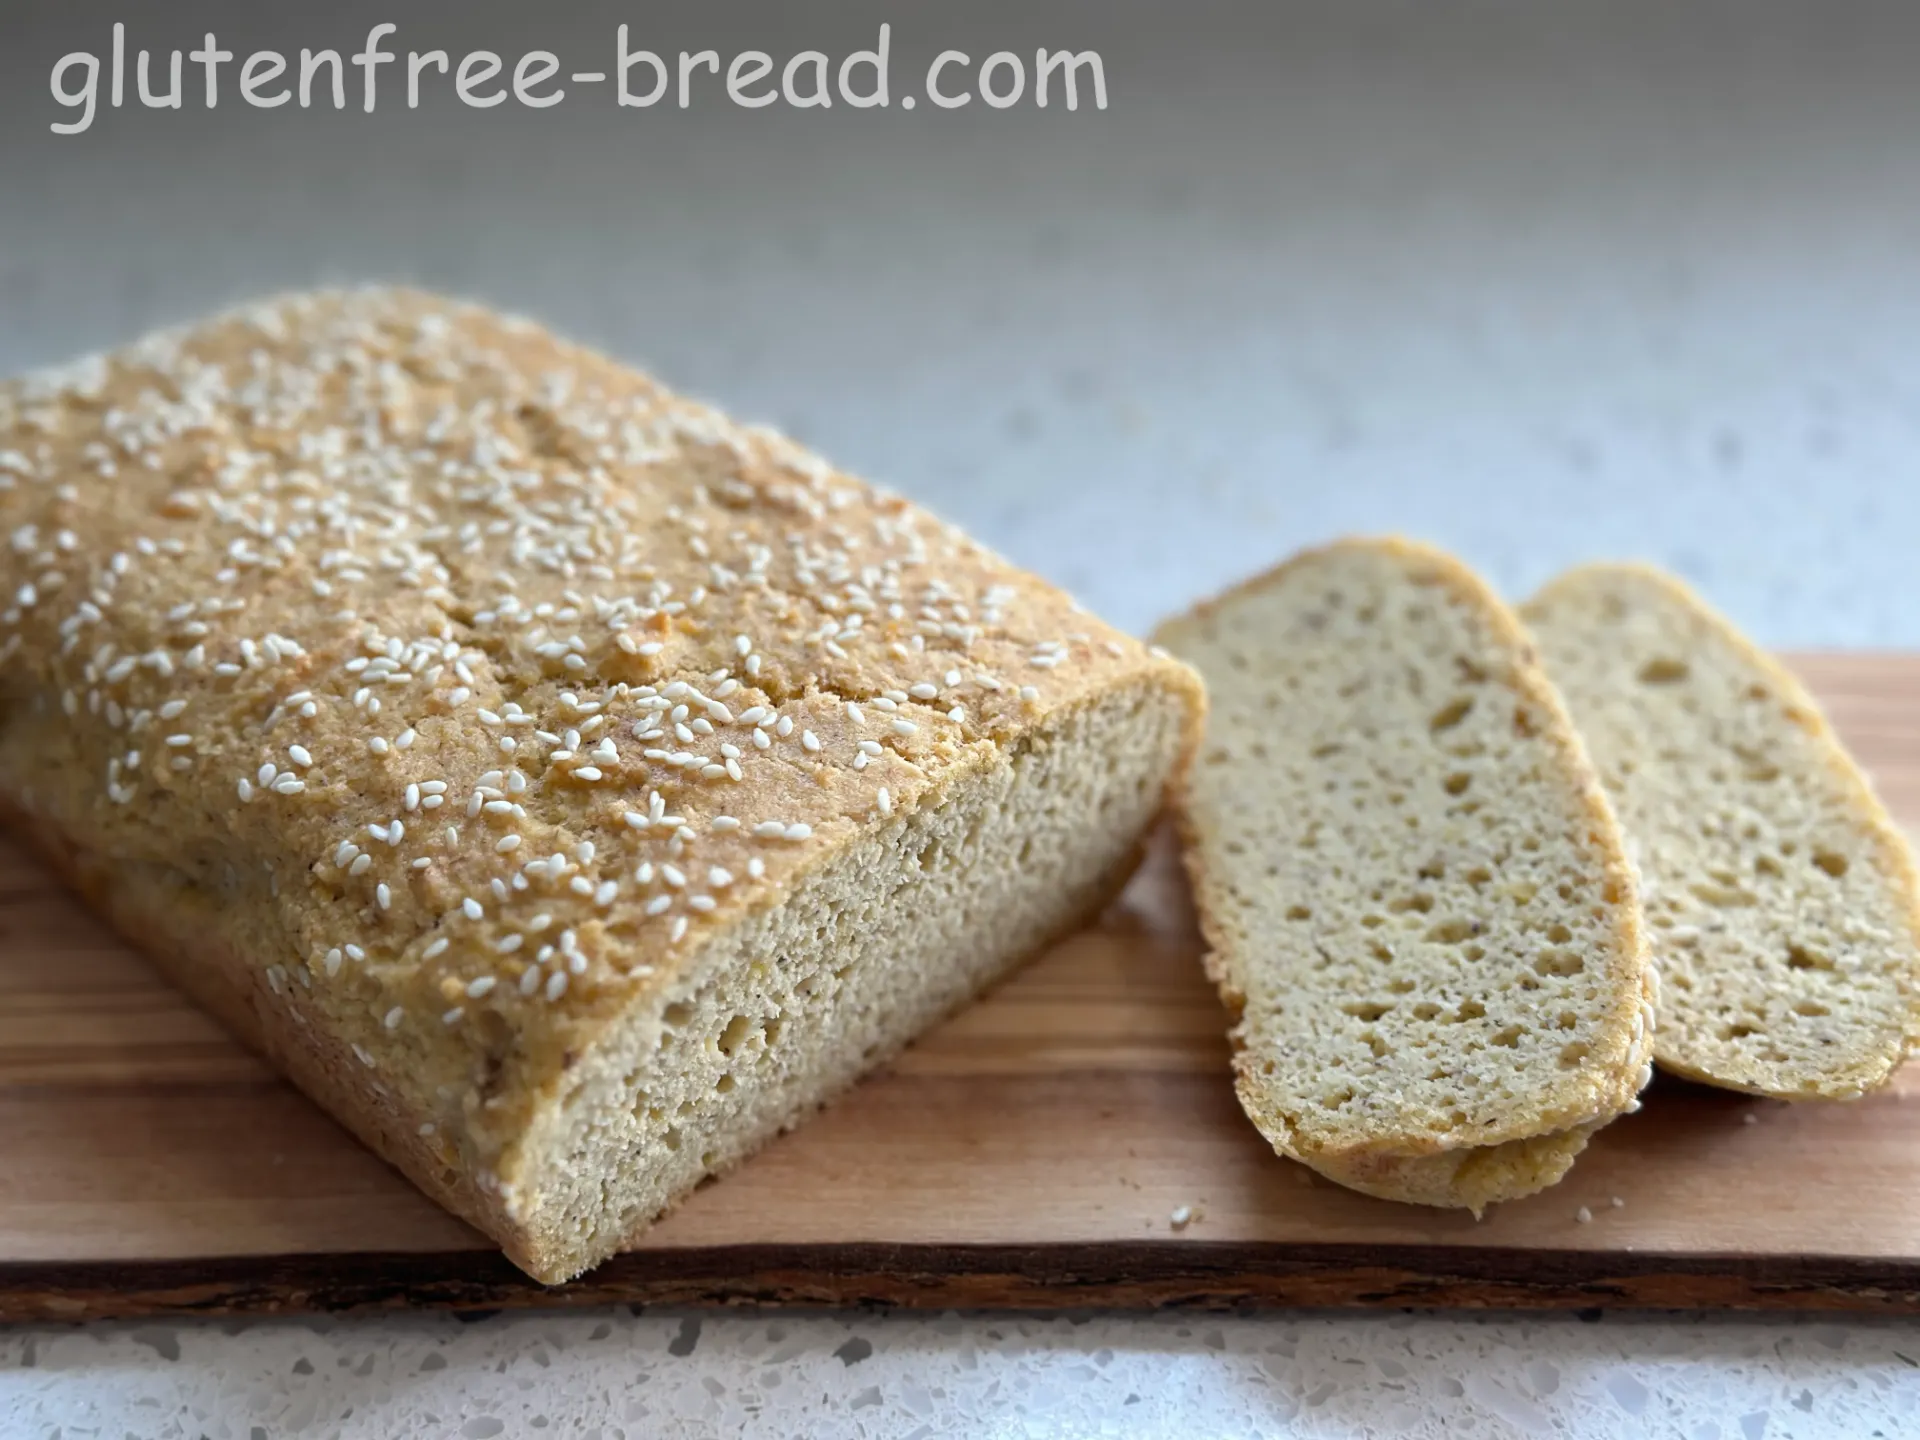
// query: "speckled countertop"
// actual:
[[1538, 283]]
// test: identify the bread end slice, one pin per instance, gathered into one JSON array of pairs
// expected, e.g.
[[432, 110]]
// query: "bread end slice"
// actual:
[[1414, 893], [1782, 904]]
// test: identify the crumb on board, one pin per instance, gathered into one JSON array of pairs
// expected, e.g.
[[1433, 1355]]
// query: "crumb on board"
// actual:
[[1617, 1203], [1583, 1215], [1752, 1117], [1181, 1217]]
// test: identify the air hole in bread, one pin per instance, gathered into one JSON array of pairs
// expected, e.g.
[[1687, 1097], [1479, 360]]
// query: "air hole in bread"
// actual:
[[1509, 1037], [1558, 962], [1452, 932], [1834, 864], [1810, 1008], [1663, 670], [1367, 1010], [1457, 783], [1299, 912], [1805, 957], [739, 1028], [1450, 714]]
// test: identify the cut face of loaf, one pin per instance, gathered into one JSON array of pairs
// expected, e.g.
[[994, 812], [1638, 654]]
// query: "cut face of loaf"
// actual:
[[567, 787], [1413, 891], [1780, 899]]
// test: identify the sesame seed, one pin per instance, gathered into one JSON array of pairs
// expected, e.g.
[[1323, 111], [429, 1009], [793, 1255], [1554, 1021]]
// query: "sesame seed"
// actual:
[[301, 756], [383, 896], [361, 864], [904, 727], [452, 1017], [393, 1018], [556, 985], [506, 844], [479, 987], [659, 905], [436, 949], [884, 799]]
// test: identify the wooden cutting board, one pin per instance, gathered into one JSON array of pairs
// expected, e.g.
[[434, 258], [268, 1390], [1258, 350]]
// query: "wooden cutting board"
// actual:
[[1030, 1153]]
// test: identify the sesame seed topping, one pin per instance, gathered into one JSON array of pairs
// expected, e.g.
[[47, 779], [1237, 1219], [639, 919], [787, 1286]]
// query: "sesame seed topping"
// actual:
[[366, 446]]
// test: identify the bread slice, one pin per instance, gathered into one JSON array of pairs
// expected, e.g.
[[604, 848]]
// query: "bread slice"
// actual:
[[566, 786], [1413, 892], [1781, 902]]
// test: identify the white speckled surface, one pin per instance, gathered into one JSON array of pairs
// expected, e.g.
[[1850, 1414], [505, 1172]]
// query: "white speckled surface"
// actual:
[[1538, 282]]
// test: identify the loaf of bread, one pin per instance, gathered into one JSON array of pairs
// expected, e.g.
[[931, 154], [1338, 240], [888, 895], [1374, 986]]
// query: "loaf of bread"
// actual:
[[1413, 892], [1781, 902], [566, 786]]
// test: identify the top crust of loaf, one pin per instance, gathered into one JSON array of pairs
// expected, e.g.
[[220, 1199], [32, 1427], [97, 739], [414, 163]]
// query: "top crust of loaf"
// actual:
[[1783, 909], [479, 680], [1414, 892]]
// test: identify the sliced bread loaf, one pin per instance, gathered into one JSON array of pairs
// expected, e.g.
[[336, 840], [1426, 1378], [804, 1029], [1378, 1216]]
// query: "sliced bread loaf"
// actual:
[[1780, 900], [1413, 891], [569, 787]]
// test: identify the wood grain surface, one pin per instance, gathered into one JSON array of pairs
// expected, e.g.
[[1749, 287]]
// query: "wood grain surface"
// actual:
[[1030, 1153]]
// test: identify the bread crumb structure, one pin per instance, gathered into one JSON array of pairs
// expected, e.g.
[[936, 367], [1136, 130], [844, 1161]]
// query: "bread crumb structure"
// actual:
[[567, 786], [1781, 899], [1414, 894]]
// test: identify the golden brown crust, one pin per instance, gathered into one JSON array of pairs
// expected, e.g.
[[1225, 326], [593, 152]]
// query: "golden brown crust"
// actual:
[[468, 683]]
